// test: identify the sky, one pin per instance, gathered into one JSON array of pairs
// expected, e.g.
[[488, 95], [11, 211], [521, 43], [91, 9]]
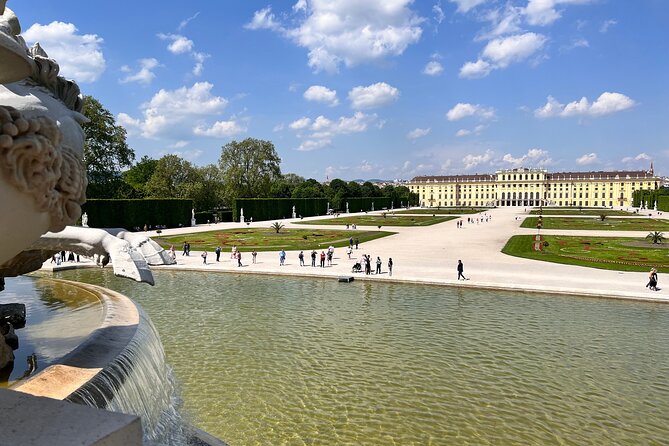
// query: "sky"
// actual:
[[375, 89]]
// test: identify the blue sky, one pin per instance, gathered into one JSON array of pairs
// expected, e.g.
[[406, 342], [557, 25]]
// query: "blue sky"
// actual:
[[376, 88]]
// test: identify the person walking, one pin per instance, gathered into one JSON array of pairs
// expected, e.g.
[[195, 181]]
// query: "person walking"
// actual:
[[356, 243], [239, 258], [282, 257], [652, 280], [349, 251], [390, 266], [218, 253], [185, 249], [461, 269], [313, 258], [254, 254], [378, 265], [322, 259], [368, 264], [204, 257], [301, 257]]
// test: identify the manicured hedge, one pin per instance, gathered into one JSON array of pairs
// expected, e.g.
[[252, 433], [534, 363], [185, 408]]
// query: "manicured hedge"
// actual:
[[365, 204], [649, 197], [261, 209], [663, 203], [131, 214]]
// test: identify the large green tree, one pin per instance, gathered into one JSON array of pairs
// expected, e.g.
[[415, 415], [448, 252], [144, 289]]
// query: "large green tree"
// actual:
[[139, 175], [173, 177], [249, 168], [106, 152]]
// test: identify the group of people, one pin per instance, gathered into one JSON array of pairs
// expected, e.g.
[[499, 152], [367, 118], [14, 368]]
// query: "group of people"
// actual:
[[64, 256], [366, 262], [485, 218]]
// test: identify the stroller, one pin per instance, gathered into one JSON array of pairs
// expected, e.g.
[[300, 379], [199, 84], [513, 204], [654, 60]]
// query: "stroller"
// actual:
[[356, 267]]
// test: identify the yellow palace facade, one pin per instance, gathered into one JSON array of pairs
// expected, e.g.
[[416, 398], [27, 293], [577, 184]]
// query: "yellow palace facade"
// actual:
[[534, 187]]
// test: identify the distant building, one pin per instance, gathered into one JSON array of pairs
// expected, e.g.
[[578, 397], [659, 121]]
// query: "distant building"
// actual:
[[534, 187]]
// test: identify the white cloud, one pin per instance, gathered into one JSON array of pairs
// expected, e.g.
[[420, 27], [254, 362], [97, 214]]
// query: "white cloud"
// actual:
[[544, 12], [375, 95], [640, 157], [589, 158], [474, 70], [173, 111], [178, 43], [183, 45], [504, 51], [503, 21], [186, 21], [466, 132], [501, 52], [470, 161], [79, 56], [314, 144], [347, 32], [433, 68], [465, 110], [144, 75], [300, 124], [278, 127], [319, 93], [263, 19], [418, 133], [439, 15], [465, 5], [606, 25], [220, 129], [533, 158], [607, 103], [179, 144]]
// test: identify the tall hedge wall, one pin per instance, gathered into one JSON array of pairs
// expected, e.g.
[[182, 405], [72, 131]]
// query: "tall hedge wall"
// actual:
[[131, 214], [649, 197], [663, 203], [261, 209], [365, 203]]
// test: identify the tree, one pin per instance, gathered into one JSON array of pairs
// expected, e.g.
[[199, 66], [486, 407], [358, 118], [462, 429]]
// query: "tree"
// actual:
[[655, 237], [206, 190], [368, 189], [248, 168], [276, 226], [309, 189], [139, 175], [106, 152], [283, 188], [173, 177]]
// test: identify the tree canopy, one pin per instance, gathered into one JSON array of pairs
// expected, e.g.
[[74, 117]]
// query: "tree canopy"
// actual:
[[106, 152], [249, 168]]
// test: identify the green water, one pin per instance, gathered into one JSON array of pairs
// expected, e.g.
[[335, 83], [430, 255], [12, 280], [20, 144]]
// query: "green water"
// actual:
[[271, 361], [58, 318]]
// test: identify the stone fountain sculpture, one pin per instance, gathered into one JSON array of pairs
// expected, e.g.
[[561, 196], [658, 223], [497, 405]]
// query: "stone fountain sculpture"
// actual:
[[42, 175]]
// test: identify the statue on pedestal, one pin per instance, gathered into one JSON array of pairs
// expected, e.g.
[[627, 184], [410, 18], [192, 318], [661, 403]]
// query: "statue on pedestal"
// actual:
[[294, 214], [241, 215]]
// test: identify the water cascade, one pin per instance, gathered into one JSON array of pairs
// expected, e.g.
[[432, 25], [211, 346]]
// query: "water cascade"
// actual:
[[140, 382]]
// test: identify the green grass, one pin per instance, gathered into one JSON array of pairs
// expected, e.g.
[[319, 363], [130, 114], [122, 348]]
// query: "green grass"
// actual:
[[609, 224], [612, 253], [576, 211], [442, 211], [266, 239], [379, 220]]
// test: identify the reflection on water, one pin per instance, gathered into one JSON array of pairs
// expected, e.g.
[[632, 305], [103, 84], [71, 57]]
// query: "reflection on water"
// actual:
[[58, 318], [270, 360]]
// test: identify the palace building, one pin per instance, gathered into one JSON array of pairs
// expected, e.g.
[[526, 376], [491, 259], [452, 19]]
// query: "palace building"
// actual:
[[534, 187]]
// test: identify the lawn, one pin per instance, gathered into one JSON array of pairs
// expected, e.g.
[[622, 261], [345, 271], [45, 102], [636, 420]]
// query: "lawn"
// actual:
[[380, 220], [609, 224], [613, 253], [442, 211], [261, 239], [584, 212]]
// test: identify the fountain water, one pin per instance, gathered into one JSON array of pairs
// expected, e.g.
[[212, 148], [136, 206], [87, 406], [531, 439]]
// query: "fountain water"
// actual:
[[140, 382]]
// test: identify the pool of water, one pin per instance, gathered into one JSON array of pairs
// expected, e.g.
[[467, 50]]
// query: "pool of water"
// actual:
[[58, 318], [271, 360]]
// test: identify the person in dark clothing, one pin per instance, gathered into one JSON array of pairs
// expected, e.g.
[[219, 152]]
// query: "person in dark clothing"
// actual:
[[301, 257], [390, 266], [378, 265], [322, 259], [313, 258], [461, 268], [356, 243], [218, 253], [368, 265]]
